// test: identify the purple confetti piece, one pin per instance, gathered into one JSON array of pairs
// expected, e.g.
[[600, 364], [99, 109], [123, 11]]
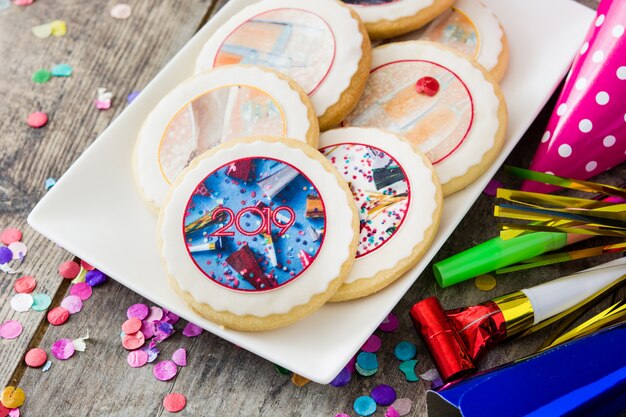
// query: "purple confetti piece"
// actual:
[[6, 255], [147, 329], [152, 352], [63, 349], [351, 365], [437, 383], [342, 379], [172, 318], [383, 394], [94, 278], [137, 358], [139, 311], [132, 96], [163, 330], [191, 330], [390, 324], [372, 344], [492, 188], [156, 314], [164, 370], [180, 357]]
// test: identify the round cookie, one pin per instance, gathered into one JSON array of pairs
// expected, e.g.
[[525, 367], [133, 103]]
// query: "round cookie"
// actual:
[[388, 18], [211, 108], [399, 200], [439, 100], [470, 28], [258, 232], [321, 44]]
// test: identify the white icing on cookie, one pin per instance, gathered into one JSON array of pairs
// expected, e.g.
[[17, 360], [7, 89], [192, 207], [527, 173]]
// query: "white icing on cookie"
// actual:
[[317, 43], [210, 108], [402, 196], [324, 268], [469, 27], [394, 10], [455, 127]]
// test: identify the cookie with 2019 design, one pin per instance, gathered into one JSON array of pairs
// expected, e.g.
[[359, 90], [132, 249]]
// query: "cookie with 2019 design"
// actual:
[[470, 28], [399, 200], [389, 18], [321, 44], [439, 100], [258, 232], [213, 107]]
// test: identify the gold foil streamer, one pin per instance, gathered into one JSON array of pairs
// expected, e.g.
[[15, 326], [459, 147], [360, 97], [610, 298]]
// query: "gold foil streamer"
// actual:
[[517, 311], [584, 230]]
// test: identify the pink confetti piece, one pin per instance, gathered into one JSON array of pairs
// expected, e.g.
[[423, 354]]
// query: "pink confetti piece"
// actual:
[[14, 413], [69, 269], [351, 365], [137, 358], [10, 329], [37, 119], [372, 344], [132, 325], [492, 188], [390, 324], [139, 311], [164, 370], [82, 290], [72, 303], [156, 313], [430, 375], [402, 406], [180, 357], [104, 99], [191, 330], [63, 349], [10, 235], [171, 317], [147, 329], [392, 412]]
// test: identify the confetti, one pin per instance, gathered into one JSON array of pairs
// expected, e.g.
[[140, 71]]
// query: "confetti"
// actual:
[[139, 311], [80, 277], [103, 99], [147, 328], [80, 344], [164, 370], [42, 31], [392, 412], [37, 119], [342, 379], [430, 375], [94, 278], [5, 4], [61, 70], [42, 76], [58, 28], [152, 351], [72, 303], [6, 255], [69, 269], [10, 329], [121, 11], [367, 360], [24, 285], [179, 357], [63, 349], [365, 372], [36, 357], [163, 331], [405, 351], [364, 406], [342, 415], [12, 397], [132, 325], [23, 2], [171, 317], [41, 302], [155, 314], [298, 380], [18, 249], [174, 402], [383, 394], [47, 366], [10, 235], [485, 282], [21, 302], [133, 341], [86, 266], [137, 358], [132, 96], [57, 316], [492, 188], [408, 369], [402, 406], [49, 183], [372, 344], [191, 330], [390, 324], [82, 290]]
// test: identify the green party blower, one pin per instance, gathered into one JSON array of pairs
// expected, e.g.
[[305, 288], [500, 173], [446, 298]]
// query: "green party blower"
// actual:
[[498, 253]]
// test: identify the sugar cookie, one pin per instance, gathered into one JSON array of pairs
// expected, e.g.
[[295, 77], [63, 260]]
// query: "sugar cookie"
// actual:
[[389, 18], [470, 28], [439, 100], [213, 107], [321, 44], [258, 233], [399, 200]]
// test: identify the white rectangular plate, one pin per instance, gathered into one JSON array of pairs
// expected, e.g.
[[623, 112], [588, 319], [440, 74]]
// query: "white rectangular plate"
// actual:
[[114, 230]]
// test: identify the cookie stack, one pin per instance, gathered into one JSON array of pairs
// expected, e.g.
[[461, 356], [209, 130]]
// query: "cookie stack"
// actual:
[[262, 218]]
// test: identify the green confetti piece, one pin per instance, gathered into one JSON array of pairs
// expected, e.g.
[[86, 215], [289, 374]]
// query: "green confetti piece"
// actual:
[[408, 369], [42, 76], [41, 302], [281, 370], [365, 372]]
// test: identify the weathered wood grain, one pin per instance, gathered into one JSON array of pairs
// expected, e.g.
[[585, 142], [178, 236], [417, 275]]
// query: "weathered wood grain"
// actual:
[[221, 379]]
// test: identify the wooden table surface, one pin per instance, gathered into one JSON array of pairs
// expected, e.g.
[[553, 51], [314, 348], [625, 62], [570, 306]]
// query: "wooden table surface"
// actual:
[[220, 379]]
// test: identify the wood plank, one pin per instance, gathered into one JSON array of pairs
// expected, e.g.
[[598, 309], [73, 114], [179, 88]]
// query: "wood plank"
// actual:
[[122, 55]]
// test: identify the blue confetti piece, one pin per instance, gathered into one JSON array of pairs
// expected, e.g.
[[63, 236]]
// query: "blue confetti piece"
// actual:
[[364, 406], [132, 96], [367, 360], [342, 379], [62, 70], [405, 351], [49, 183]]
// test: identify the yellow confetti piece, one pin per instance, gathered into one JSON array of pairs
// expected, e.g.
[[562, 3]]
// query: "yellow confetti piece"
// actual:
[[485, 282], [59, 28], [42, 31], [12, 397], [299, 381], [80, 277]]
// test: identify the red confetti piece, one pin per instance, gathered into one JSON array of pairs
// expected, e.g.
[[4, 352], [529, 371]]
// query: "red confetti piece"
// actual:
[[72, 303], [179, 357], [37, 119], [36, 357], [82, 290], [174, 402], [10, 329], [10, 235], [131, 326], [63, 349], [4, 412], [133, 341], [69, 269], [58, 316], [24, 285], [164, 370], [139, 311], [86, 266], [137, 358]]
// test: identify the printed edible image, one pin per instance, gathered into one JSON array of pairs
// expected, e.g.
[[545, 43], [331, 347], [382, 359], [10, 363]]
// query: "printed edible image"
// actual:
[[254, 224]]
